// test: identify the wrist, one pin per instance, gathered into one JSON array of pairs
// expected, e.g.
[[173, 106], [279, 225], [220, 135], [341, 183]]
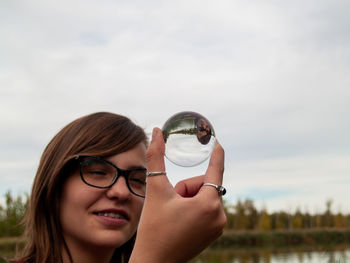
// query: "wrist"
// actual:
[[151, 255], [137, 257]]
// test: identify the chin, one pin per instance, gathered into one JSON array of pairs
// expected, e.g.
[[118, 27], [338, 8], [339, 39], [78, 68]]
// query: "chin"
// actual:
[[113, 240]]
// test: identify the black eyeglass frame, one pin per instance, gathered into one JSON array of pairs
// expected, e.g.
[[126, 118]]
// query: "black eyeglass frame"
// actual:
[[119, 172]]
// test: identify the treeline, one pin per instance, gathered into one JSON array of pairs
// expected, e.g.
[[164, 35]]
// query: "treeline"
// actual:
[[11, 215], [245, 216]]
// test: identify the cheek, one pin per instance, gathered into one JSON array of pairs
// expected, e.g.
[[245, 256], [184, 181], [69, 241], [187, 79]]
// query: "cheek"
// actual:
[[76, 199], [137, 209]]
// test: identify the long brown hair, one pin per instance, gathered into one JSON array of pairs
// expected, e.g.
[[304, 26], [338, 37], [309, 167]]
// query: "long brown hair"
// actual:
[[102, 134]]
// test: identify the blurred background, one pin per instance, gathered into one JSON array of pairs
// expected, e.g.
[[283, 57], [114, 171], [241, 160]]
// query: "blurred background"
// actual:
[[271, 76]]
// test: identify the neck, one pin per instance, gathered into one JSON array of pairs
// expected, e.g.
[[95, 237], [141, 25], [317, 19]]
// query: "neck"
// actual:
[[85, 253]]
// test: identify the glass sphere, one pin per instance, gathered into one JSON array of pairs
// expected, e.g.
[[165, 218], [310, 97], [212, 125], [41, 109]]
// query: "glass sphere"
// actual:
[[189, 138]]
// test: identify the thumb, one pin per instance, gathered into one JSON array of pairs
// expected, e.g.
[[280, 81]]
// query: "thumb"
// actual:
[[157, 184]]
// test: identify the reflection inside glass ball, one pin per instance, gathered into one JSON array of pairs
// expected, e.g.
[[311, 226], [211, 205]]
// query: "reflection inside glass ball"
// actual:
[[189, 138]]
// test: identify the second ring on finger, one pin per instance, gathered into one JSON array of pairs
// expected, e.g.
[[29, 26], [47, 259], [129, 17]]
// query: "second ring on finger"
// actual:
[[221, 190]]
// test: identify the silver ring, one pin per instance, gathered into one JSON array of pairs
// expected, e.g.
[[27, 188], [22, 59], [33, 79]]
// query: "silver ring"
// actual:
[[155, 173], [221, 190]]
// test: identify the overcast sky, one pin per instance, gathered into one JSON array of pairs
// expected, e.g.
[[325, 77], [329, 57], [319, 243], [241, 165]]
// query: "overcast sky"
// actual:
[[273, 77]]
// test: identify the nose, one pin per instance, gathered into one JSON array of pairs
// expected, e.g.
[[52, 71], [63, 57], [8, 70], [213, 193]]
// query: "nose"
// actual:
[[119, 190]]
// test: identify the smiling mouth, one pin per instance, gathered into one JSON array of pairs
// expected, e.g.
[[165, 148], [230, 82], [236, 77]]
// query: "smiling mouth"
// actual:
[[112, 215]]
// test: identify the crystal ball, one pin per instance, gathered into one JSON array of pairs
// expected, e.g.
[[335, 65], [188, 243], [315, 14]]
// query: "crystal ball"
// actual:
[[189, 138]]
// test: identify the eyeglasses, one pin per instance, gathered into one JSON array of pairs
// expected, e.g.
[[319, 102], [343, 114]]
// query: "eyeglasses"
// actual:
[[100, 173]]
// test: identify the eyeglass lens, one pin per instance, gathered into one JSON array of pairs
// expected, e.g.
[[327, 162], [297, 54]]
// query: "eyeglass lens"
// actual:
[[100, 173]]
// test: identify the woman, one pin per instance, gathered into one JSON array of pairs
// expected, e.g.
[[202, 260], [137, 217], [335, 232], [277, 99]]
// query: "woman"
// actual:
[[89, 192]]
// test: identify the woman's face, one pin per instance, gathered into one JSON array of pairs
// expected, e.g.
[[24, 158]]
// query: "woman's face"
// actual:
[[102, 217]]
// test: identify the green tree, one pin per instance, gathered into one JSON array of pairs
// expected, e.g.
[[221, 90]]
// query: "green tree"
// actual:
[[245, 216], [307, 220], [12, 214], [240, 218], [339, 220], [327, 218], [297, 219], [264, 220], [252, 214], [229, 215]]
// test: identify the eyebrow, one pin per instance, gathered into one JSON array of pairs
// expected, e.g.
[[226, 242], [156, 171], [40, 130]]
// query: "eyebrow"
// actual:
[[131, 167]]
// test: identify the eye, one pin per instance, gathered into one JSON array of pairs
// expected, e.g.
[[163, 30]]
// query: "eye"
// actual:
[[138, 177], [97, 172], [138, 181], [94, 167]]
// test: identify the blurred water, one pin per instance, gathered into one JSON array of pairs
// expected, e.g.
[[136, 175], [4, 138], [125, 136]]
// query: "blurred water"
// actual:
[[333, 255]]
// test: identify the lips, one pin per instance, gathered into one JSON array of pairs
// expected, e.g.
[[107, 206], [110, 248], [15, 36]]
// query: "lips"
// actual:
[[113, 214]]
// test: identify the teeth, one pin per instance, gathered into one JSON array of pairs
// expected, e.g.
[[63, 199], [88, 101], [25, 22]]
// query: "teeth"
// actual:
[[112, 215]]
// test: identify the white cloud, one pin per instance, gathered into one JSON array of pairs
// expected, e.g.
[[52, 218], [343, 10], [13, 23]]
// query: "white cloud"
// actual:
[[304, 180]]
